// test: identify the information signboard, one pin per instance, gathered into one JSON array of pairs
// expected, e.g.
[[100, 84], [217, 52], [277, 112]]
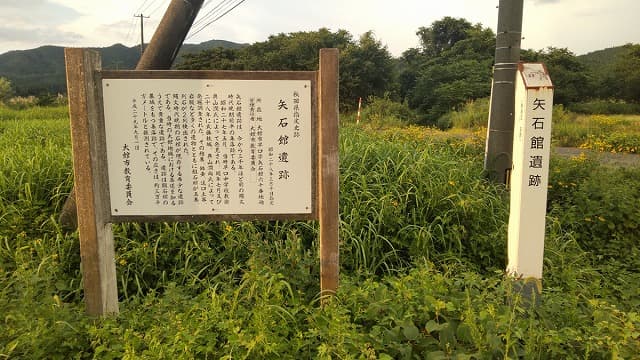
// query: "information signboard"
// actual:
[[204, 146], [200, 145]]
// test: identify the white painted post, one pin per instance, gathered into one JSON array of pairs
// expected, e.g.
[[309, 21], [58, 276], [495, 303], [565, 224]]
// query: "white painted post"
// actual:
[[530, 173]]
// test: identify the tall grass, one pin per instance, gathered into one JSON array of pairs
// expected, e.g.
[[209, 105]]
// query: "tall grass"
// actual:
[[422, 239]]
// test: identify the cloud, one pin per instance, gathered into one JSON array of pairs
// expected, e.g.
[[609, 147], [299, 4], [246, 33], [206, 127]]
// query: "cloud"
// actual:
[[47, 36], [36, 13], [25, 23]]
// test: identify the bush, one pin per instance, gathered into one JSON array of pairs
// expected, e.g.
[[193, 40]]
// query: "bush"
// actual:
[[474, 114], [384, 111], [605, 107]]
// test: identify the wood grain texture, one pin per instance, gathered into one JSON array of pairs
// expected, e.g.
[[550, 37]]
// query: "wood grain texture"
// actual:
[[96, 237], [209, 74], [328, 185]]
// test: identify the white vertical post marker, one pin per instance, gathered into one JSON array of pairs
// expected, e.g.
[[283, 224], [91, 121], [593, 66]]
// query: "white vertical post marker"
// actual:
[[530, 173], [359, 108]]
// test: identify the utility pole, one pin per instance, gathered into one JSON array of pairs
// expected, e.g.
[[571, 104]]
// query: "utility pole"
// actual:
[[161, 52], [141, 32], [169, 36], [499, 147]]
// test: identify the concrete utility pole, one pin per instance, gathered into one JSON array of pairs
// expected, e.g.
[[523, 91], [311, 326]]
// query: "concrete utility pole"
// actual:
[[141, 32], [499, 147], [160, 54], [169, 35]]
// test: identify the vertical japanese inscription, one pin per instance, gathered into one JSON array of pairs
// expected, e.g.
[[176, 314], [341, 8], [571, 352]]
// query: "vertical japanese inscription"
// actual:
[[209, 146]]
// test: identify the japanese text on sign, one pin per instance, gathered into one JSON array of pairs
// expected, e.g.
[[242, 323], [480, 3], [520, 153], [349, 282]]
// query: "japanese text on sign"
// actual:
[[197, 147]]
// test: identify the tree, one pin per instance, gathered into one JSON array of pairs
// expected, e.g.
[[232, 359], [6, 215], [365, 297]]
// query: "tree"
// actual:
[[217, 58], [452, 67], [626, 74], [366, 69], [6, 90], [571, 79], [442, 35]]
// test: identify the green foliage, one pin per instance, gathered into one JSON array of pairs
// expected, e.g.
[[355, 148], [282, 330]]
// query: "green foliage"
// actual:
[[597, 204], [366, 69], [595, 107], [379, 112], [474, 114], [422, 251], [39, 71], [452, 68], [602, 133], [6, 90], [626, 74], [572, 82], [366, 66], [442, 35]]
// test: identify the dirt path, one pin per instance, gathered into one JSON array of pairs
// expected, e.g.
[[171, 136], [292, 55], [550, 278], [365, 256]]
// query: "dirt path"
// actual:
[[624, 160]]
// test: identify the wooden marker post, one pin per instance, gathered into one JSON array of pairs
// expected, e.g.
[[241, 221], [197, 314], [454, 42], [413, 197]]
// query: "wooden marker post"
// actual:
[[328, 186], [530, 174], [96, 237]]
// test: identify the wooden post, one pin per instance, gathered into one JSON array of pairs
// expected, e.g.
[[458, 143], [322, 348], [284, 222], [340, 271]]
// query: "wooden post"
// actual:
[[96, 237], [530, 175], [328, 172]]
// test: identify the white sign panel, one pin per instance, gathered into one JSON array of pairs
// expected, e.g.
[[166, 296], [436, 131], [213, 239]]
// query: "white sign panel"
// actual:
[[530, 173], [202, 147]]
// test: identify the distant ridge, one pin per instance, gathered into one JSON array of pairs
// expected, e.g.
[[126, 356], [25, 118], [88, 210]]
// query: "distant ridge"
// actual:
[[601, 59], [41, 70]]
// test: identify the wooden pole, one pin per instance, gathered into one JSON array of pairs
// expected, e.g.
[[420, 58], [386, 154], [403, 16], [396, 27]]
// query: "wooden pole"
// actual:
[[328, 186], [96, 237], [169, 36]]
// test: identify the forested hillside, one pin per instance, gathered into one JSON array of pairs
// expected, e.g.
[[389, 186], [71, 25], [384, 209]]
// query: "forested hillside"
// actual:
[[451, 66], [41, 70]]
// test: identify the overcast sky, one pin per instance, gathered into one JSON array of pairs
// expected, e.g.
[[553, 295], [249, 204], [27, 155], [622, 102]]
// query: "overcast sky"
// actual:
[[579, 25]]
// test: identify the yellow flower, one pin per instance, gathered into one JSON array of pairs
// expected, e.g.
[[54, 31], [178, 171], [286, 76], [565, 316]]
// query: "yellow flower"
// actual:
[[123, 262]]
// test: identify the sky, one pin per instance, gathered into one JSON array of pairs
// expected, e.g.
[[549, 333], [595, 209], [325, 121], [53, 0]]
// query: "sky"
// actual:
[[581, 26]]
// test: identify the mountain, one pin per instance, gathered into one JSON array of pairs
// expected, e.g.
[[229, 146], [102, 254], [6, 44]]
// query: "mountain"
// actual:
[[42, 70], [601, 60]]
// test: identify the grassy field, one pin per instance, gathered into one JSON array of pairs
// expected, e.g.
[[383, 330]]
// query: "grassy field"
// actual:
[[423, 248]]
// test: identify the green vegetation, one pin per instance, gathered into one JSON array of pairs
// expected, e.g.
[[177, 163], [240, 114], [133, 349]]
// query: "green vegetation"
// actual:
[[423, 241], [451, 67], [366, 66], [40, 71]]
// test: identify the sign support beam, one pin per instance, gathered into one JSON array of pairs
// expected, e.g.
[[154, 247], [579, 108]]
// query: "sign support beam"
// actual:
[[96, 238], [328, 186]]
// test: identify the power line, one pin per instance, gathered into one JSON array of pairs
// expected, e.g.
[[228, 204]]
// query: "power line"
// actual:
[[140, 7], [204, 6], [132, 26], [220, 10], [146, 9], [216, 19], [162, 4], [211, 13]]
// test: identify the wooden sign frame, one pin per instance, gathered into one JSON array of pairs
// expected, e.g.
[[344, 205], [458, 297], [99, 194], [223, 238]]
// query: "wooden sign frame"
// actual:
[[86, 109]]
